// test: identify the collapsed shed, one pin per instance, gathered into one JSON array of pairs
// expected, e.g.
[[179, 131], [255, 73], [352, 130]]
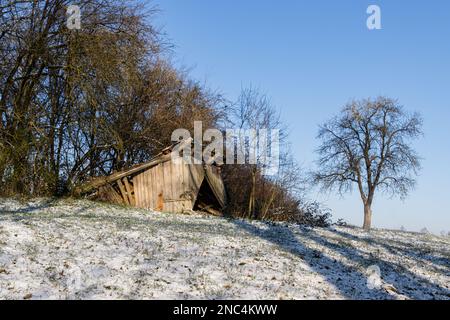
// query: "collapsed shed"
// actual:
[[163, 185]]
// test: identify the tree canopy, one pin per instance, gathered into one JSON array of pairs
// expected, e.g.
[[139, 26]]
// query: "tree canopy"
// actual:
[[369, 145]]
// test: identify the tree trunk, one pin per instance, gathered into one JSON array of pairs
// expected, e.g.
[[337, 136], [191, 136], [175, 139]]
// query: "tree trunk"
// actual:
[[367, 216]]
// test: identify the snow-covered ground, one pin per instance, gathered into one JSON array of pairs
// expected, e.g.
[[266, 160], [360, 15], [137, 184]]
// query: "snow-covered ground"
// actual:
[[76, 249]]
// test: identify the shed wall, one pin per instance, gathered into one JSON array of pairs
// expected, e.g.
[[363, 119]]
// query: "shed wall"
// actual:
[[169, 186]]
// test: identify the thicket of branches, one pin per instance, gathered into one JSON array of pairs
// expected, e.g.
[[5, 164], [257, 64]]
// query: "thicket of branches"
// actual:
[[75, 104], [80, 103]]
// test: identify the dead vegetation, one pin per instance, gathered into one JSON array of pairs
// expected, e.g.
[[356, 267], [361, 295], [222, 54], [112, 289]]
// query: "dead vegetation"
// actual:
[[79, 104]]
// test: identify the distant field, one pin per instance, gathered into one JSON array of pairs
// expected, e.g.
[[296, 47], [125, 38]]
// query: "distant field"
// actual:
[[67, 249]]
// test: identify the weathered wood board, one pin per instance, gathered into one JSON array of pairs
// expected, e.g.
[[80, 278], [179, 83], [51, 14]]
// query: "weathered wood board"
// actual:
[[162, 184]]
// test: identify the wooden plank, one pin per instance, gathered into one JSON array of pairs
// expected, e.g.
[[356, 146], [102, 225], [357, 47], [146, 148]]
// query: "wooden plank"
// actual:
[[187, 204], [195, 176], [198, 174], [188, 183], [147, 189], [114, 196], [153, 188], [137, 189], [158, 176], [123, 192], [177, 186], [209, 209], [119, 175], [186, 180], [160, 158], [102, 194], [129, 190], [167, 186], [141, 193], [137, 184], [141, 189]]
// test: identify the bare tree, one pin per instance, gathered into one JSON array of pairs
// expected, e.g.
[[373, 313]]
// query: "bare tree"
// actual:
[[368, 145], [255, 111], [253, 193], [81, 103]]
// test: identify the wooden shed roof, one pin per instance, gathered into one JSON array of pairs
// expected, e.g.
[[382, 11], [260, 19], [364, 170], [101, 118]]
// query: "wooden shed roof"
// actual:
[[215, 183]]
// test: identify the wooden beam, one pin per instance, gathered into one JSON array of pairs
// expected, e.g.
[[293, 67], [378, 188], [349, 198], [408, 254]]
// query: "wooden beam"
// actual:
[[112, 194], [208, 209], [98, 182], [129, 190], [123, 192]]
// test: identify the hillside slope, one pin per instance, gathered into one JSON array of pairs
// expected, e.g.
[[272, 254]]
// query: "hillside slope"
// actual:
[[80, 249]]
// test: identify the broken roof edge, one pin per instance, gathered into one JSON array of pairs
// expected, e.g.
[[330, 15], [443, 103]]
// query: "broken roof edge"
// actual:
[[163, 156]]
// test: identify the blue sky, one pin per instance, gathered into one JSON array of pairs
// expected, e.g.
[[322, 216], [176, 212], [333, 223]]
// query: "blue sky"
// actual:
[[311, 57]]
